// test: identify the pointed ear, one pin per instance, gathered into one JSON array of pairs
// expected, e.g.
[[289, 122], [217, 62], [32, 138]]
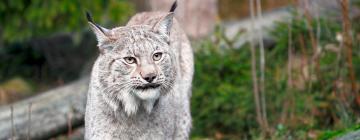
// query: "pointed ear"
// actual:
[[102, 34], [165, 24]]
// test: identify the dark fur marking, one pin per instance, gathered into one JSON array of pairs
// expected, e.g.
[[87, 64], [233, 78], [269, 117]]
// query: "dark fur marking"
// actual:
[[173, 7], [90, 19]]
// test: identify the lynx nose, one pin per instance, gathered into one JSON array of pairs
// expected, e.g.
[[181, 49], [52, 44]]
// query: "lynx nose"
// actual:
[[148, 72], [149, 77]]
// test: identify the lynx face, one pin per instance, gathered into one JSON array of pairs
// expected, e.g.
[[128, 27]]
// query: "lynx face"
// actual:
[[136, 64], [140, 60]]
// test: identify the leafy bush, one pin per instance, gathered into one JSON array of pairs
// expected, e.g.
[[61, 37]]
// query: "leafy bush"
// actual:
[[324, 30], [221, 101], [44, 41], [22, 19]]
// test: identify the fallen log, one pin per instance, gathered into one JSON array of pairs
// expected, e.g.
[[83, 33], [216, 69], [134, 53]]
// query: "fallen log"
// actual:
[[52, 113], [354, 135]]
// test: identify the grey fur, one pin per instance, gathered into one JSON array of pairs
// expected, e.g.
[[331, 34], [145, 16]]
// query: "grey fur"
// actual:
[[115, 108]]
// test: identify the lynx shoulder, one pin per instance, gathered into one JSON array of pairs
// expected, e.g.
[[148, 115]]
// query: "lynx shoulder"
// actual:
[[140, 85]]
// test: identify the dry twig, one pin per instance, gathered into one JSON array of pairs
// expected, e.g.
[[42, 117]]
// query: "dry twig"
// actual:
[[349, 46], [262, 68]]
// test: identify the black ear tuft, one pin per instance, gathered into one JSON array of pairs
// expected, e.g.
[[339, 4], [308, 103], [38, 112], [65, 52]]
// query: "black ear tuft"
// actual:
[[173, 7], [88, 17]]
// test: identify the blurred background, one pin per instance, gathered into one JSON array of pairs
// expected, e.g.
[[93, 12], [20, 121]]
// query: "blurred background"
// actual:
[[264, 69]]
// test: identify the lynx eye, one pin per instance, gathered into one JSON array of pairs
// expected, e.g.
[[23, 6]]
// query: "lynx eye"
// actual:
[[130, 60], [157, 56]]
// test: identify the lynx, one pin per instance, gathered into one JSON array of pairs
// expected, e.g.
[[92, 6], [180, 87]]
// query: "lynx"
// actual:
[[140, 84]]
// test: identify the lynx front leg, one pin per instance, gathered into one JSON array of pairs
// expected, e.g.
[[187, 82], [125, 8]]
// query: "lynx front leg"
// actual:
[[183, 122]]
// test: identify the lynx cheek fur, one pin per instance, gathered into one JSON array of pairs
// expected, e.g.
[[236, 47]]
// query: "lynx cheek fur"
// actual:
[[140, 84]]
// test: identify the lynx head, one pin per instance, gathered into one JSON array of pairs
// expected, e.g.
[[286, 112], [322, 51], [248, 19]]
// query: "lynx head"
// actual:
[[136, 63]]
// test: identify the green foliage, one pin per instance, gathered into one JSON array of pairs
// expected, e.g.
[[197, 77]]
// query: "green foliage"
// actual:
[[357, 3], [324, 31], [221, 99], [43, 41], [22, 19], [223, 103], [332, 134]]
